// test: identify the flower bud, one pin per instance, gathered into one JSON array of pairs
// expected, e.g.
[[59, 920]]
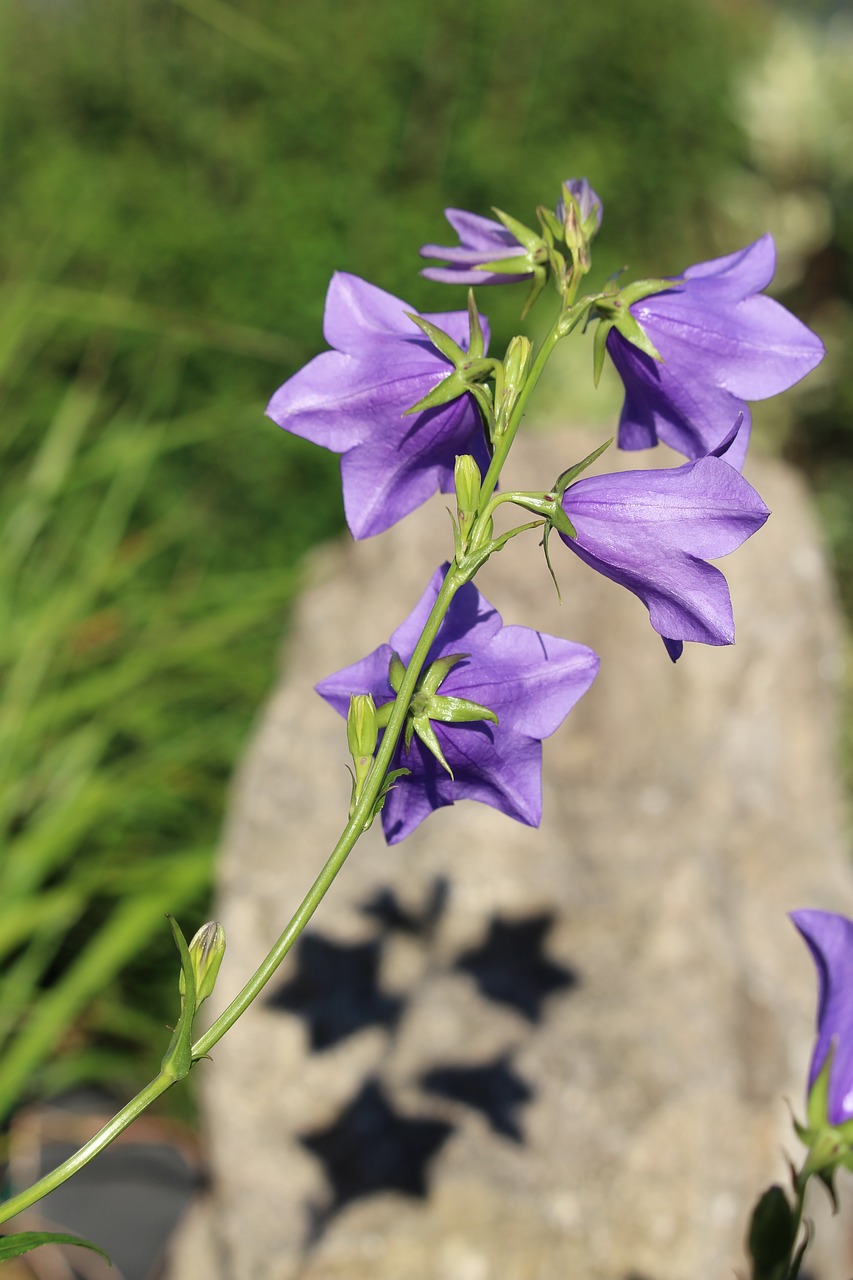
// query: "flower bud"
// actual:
[[362, 731], [206, 951], [516, 367], [467, 477]]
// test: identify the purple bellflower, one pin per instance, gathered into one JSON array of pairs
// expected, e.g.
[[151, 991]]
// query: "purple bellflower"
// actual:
[[722, 343], [353, 399], [829, 937], [529, 680], [653, 531], [481, 240]]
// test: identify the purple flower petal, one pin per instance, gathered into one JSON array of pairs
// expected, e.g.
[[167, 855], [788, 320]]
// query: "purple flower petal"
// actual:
[[353, 399], [530, 680], [721, 343], [481, 240], [652, 531], [829, 937]]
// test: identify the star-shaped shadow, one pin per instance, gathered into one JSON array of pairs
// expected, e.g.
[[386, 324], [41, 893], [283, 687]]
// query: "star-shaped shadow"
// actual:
[[387, 909], [336, 990], [509, 966], [492, 1088], [371, 1148]]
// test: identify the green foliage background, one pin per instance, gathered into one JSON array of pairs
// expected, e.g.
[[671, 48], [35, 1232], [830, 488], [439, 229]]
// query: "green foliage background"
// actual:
[[179, 179]]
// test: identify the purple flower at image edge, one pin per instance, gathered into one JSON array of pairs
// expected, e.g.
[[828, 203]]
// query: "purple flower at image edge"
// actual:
[[530, 680], [722, 343], [654, 531], [352, 400], [829, 938], [481, 240]]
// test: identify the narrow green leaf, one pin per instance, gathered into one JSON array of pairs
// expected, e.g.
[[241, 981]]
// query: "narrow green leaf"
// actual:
[[23, 1241]]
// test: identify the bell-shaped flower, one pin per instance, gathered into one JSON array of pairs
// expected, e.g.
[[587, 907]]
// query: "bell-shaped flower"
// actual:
[[481, 241], [485, 243], [355, 398], [829, 938], [654, 531], [527, 680], [721, 343]]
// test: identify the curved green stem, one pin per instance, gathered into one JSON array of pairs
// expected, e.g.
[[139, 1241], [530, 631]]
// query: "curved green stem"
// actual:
[[360, 819], [111, 1130]]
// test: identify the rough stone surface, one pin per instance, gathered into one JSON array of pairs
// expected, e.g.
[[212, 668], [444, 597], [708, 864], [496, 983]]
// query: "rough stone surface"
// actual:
[[552, 1053]]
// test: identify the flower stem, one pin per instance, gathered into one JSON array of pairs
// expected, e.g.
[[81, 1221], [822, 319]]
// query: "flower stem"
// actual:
[[355, 827], [111, 1130], [359, 820]]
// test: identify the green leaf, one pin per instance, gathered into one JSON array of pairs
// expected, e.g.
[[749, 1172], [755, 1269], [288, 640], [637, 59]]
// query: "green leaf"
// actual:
[[178, 1058], [23, 1241]]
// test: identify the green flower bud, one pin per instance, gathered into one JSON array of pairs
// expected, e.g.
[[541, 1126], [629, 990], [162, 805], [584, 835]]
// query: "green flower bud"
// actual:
[[467, 477], [206, 951], [362, 731], [516, 368]]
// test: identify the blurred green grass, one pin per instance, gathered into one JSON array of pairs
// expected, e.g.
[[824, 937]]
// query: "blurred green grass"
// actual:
[[180, 178]]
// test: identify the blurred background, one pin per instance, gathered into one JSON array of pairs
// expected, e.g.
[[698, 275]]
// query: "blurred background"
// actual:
[[178, 180]]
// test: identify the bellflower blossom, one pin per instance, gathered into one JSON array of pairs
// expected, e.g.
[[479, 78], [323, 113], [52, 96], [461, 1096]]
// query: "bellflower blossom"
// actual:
[[829, 938], [722, 343], [483, 240], [653, 531], [353, 399], [530, 680]]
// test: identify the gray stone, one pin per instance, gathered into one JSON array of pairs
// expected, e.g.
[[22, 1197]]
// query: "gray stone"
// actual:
[[627, 1098]]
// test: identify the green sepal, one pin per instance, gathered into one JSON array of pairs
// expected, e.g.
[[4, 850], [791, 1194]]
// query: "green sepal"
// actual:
[[632, 331], [827, 1177], [387, 785], [516, 266], [540, 277], [599, 349], [451, 710], [544, 544], [817, 1103], [426, 733], [570, 475], [524, 235], [383, 715], [449, 388], [178, 1058], [21, 1242], [639, 289], [551, 224], [476, 341], [476, 369], [396, 672], [440, 340], [439, 671]]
